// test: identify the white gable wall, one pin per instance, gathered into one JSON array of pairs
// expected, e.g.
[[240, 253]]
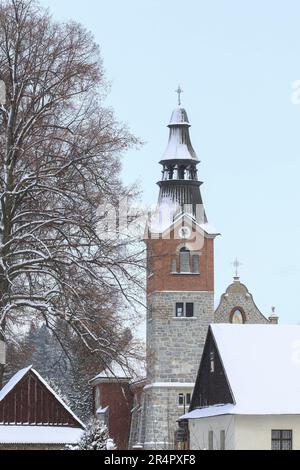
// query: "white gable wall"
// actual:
[[199, 430]]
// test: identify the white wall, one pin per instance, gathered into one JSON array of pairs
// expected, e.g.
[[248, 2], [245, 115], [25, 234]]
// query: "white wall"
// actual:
[[254, 432], [242, 432], [199, 429]]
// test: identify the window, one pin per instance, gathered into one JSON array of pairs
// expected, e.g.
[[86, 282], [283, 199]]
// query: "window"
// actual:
[[184, 399], [237, 316], [184, 260], [212, 361], [179, 309], [195, 263], [210, 440], [189, 309], [181, 172], [184, 309], [222, 440], [173, 266], [282, 440], [171, 172], [181, 399]]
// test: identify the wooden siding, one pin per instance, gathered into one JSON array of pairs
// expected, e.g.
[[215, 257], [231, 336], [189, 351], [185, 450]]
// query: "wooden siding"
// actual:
[[30, 402], [211, 388]]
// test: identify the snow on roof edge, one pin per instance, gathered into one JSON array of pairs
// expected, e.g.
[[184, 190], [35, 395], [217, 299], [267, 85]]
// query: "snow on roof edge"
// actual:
[[13, 381], [58, 398], [20, 434], [18, 376]]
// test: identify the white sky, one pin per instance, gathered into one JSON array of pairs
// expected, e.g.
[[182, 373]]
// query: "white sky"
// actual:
[[236, 62]]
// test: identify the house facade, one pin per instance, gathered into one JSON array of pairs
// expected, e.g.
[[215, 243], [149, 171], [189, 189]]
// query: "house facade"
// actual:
[[246, 395]]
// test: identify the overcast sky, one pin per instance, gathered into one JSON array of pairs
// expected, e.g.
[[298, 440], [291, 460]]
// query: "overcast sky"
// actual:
[[236, 62]]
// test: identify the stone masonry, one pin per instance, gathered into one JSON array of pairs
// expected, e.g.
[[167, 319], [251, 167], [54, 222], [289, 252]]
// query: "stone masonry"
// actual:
[[175, 347], [238, 296]]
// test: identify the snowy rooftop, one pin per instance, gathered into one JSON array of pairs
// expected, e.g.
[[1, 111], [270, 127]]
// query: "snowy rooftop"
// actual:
[[39, 435], [13, 381], [179, 117], [132, 371], [262, 365]]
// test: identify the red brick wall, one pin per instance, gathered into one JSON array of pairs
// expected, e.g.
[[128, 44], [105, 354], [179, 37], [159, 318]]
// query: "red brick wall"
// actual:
[[119, 398], [160, 255]]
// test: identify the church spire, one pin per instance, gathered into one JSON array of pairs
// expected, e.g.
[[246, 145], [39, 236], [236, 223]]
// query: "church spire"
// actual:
[[179, 184]]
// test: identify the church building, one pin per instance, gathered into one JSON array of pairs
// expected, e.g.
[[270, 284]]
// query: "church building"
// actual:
[[180, 296]]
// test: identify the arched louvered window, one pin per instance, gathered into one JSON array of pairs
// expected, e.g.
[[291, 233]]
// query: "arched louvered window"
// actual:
[[181, 172], [184, 260], [195, 263]]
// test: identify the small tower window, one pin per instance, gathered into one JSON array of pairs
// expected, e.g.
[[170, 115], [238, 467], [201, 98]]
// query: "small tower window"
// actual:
[[171, 172], [195, 263], [189, 309], [181, 172], [179, 309], [184, 309], [184, 258], [173, 266], [180, 399], [184, 399]]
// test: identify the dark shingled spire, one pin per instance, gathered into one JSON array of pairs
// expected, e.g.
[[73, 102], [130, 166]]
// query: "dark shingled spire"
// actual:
[[179, 185]]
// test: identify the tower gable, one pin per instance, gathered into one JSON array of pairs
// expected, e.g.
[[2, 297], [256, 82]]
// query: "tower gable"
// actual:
[[181, 257], [237, 302]]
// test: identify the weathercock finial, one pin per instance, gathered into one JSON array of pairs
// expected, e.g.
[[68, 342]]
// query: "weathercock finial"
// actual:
[[179, 91]]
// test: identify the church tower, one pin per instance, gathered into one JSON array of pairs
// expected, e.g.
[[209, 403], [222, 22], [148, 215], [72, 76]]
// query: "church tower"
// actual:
[[180, 288]]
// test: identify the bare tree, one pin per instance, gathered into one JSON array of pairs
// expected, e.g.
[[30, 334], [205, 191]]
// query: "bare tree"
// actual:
[[60, 159]]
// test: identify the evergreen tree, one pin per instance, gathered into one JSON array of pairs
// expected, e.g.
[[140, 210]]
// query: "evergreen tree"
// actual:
[[95, 437]]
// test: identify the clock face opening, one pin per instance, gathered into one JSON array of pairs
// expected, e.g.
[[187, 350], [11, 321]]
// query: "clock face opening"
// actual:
[[184, 232]]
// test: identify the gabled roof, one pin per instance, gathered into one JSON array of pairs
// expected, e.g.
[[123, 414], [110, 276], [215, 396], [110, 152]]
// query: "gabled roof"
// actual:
[[262, 366], [16, 379], [131, 372], [13, 382], [115, 371], [165, 225]]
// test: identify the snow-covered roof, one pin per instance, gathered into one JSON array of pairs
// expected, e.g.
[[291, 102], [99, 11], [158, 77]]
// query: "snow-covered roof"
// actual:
[[39, 435], [216, 410], [132, 372], [13, 381], [67, 408], [179, 117], [115, 370], [19, 376], [262, 366]]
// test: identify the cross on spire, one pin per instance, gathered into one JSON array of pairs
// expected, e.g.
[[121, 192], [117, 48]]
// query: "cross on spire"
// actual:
[[179, 91], [236, 265]]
